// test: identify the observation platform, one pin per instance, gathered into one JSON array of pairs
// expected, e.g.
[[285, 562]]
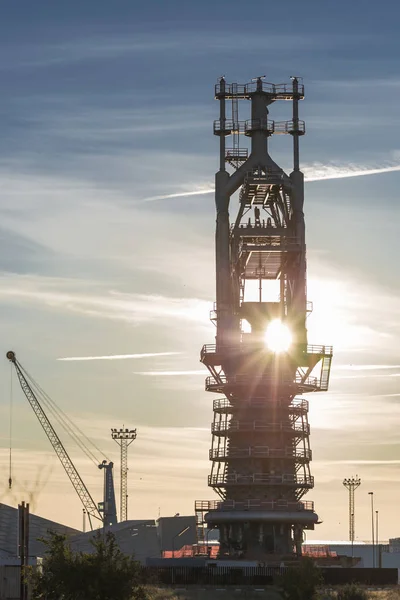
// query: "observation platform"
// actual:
[[223, 428], [297, 407], [299, 455], [302, 382], [280, 91], [289, 480], [220, 505], [229, 127], [236, 155], [223, 384], [261, 510], [209, 355]]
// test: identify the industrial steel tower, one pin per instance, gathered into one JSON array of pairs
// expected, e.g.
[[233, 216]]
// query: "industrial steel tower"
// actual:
[[124, 438], [351, 485], [261, 360]]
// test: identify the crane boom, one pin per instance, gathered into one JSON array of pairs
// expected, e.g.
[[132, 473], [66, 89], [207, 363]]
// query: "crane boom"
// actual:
[[76, 480]]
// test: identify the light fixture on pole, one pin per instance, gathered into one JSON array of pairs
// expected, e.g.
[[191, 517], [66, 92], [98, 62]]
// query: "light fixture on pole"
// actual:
[[351, 485], [124, 438], [373, 534]]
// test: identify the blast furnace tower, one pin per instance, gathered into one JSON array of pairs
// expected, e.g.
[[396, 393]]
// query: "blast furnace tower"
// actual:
[[261, 361]]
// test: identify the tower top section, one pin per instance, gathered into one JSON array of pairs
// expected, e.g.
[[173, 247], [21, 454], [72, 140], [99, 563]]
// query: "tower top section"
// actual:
[[276, 91]]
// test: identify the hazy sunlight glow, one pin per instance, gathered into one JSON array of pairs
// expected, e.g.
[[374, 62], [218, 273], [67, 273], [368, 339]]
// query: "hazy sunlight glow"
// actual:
[[278, 337]]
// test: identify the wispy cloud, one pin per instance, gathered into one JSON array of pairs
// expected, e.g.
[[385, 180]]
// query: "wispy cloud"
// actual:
[[170, 373], [320, 172], [199, 192], [314, 172], [110, 47], [366, 367], [119, 356], [96, 302]]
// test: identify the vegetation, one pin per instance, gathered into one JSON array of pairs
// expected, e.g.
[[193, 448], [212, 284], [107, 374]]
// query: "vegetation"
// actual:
[[105, 574], [352, 591], [301, 582]]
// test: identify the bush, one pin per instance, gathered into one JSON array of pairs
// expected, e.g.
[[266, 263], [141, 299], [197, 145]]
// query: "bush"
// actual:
[[301, 582], [352, 591], [105, 574]]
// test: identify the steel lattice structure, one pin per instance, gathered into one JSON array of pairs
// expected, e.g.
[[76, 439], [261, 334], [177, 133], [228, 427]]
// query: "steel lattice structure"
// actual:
[[351, 485], [124, 438], [260, 450]]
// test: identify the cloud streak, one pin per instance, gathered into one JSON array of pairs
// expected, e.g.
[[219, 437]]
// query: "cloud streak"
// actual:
[[67, 295], [315, 172], [325, 172], [366, 367], [171, 373], [119, 356]]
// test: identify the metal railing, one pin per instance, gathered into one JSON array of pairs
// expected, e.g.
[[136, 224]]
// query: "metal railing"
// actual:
[[274, 127], [297, 406], [239, 348], [259, 125], [263, 505], [236, 154], [210, 505], [278, 90], [234, 426], [297, 454], [322, 350], [261, 478], [228, 126], [290, 127], [272, 176], [213, 384]]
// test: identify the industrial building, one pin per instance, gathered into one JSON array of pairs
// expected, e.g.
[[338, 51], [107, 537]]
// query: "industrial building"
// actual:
[[261, 362], [143, 538], [138, 538], [38, 528], [365, 555]]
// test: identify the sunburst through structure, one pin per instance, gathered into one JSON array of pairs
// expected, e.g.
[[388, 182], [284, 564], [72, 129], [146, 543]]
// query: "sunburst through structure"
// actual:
[[261, 361]]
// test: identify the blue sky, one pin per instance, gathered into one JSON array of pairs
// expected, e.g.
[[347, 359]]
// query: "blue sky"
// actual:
[[106, 106]]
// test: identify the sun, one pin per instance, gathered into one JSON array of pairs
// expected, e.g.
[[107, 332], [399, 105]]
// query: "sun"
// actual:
[[278, 337]]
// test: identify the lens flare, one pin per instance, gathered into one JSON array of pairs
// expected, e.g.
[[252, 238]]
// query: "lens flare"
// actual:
[[278, 337]]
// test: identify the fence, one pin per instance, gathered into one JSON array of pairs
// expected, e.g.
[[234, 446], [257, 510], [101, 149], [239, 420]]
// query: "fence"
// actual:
[[248, 576], [222, 576]]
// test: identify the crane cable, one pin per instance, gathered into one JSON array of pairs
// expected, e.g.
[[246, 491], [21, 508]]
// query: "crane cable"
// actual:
[[10, 428], [64, 420], [59, 416], [61, 419]]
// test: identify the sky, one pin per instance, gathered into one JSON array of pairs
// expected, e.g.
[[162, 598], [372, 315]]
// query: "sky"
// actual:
[[107, 163]]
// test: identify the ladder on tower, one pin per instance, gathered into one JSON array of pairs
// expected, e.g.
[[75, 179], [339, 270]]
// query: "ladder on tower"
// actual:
[[325, 372]]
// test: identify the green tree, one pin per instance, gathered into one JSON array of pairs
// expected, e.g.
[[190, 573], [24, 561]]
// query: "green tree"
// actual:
[[104, 574], [300, 582]]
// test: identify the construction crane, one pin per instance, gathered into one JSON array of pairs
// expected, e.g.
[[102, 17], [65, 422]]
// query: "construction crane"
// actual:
[[106, 511]]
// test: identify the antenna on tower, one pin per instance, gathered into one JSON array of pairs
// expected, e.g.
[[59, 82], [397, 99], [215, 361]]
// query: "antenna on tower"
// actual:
[[124, 438], [351, 485]]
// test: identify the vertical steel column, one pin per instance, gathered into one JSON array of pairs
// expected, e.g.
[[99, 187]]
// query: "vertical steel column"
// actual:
[[23, 543]]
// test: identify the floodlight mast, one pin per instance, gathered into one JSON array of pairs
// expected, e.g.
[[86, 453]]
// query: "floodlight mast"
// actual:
[[351, 484], [124, 438], [260, 450]]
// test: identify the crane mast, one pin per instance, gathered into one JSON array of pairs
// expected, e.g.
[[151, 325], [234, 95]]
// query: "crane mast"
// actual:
[[76, 480]]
